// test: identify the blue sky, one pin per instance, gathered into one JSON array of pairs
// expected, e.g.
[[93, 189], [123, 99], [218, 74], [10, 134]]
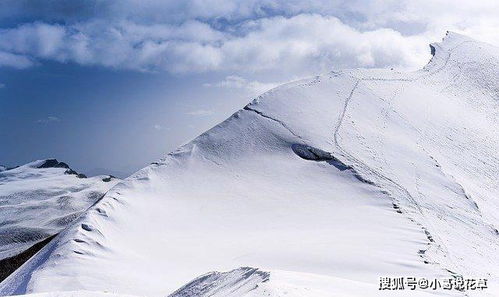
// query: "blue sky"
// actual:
[[118, 84], [93, 117]]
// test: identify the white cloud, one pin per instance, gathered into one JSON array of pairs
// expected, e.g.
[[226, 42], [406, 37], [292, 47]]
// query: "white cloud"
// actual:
[[236, 82], [14, 60], [200, 112], [277, 36], [159, 127], [49, 119], [303, 43]]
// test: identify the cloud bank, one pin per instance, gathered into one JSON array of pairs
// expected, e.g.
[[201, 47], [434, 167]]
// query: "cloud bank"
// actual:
[[235, 36]]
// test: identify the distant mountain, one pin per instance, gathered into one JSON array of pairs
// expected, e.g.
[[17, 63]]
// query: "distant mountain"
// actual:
[[37, 201], [317, 188]]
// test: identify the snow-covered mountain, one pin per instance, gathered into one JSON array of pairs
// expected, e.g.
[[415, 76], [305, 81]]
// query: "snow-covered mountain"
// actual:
[[316, 188], [37, 201]]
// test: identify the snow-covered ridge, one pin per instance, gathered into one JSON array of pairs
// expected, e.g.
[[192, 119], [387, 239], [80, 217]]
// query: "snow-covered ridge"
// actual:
[[237, 282], [326, 184], [39, 199]]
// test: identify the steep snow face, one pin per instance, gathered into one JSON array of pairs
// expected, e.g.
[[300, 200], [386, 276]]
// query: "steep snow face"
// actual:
[[326, 184], [39, 199]]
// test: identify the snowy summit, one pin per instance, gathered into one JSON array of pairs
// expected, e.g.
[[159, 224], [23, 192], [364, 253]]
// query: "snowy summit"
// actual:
[[316, 188]]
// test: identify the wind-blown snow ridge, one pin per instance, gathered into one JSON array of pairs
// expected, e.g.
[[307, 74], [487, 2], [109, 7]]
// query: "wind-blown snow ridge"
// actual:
[[326, 184]]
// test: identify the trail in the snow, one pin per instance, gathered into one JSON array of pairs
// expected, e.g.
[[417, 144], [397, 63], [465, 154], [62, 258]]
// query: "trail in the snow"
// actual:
[[357, 162]]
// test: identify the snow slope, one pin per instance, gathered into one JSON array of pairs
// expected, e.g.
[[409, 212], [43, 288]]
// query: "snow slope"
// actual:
[[251, 282], [39, 199], [324, 184]]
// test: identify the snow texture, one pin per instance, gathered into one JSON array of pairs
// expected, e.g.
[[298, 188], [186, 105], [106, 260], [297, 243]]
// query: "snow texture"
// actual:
[[41, 198], [325, 185]]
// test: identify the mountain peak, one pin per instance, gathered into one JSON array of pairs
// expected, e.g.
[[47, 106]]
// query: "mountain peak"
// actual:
[[53, 163], [449, 41], [329, 177]]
